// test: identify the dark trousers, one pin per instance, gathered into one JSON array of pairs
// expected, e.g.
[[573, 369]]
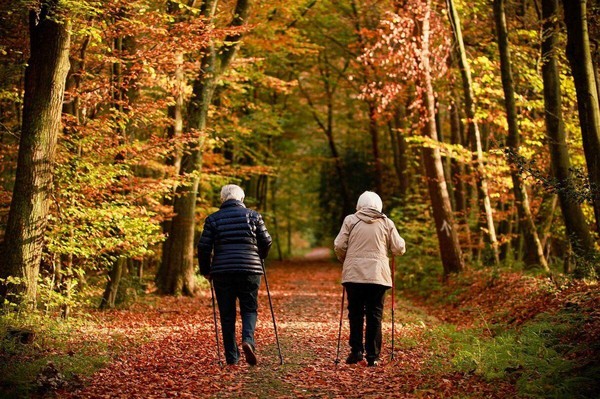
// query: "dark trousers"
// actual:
[[365, 300], [229, 287]]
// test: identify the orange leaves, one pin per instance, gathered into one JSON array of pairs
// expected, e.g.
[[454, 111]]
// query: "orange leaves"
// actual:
[[175, 354]]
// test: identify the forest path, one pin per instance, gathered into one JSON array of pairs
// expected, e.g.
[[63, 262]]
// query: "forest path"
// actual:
[[176, 358]]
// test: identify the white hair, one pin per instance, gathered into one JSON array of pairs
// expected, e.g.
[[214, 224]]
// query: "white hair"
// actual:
[[369, 199], [232, 192]]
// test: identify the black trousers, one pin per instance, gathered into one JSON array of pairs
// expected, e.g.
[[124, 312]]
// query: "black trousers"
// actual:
[[229, 287], [365, 301]]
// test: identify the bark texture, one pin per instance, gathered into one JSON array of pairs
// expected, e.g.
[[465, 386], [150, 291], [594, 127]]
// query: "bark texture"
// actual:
[[45, 78]]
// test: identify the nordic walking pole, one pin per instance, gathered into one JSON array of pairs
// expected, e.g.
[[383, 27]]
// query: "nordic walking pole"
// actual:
[[393, 300], [337, 356], [262, 262], [212, 294]]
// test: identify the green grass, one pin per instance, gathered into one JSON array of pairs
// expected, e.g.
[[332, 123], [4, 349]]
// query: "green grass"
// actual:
[[20, 364], [539, 358]]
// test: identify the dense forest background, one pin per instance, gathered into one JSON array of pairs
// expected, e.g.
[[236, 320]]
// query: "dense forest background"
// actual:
[[477, 122]]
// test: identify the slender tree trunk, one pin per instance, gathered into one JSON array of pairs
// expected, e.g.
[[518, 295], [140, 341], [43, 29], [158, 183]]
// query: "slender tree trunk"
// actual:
[[505, 230], [399, 148], [548, 222], [458, 172], [374, 133], [274, 209], [112, 285], [175, 112], [176, 274], [452, 260], [439, 128], [478, 162], [579, 55], [532, 242], [45, 77], [577, 229]]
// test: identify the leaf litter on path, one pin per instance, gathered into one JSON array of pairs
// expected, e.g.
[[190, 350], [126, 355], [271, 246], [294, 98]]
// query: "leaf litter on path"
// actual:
[[178, 358]]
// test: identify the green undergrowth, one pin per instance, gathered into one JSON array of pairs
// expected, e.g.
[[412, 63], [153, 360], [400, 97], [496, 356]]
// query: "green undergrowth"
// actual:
[[543, 339], [52, 359], [32, 368], [539, 358]]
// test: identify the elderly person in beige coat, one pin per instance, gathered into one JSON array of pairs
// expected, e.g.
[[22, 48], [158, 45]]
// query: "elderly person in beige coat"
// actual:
[[362, 245]]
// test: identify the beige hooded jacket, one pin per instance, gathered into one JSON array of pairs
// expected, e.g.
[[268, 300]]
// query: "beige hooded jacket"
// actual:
[[362, 246]]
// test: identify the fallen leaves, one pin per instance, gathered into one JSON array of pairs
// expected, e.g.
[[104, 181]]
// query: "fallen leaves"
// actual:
[[177, 354]]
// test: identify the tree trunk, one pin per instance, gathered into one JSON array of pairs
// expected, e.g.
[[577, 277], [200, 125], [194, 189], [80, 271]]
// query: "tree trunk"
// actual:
[[176, 130], [175, 112], [374, 133], [458, 170], [275, 211], [399, 148], [478, 162], [452, 260], [579, 55], [112, 286], [439, 128], [45, 78], [577, 229], [532, 242], [176, 274]]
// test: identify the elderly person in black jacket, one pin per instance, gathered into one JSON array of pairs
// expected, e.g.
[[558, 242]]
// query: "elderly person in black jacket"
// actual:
[[231, 251]]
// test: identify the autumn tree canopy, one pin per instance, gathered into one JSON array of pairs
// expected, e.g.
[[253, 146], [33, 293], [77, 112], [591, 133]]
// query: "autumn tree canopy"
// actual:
[[120, 120]]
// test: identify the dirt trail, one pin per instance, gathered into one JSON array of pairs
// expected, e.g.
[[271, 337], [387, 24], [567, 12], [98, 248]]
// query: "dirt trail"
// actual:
[[178, 357]]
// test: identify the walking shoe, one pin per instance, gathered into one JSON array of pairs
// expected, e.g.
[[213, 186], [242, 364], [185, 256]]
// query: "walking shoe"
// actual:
[[372, 362], [249, 353], [354, 357]]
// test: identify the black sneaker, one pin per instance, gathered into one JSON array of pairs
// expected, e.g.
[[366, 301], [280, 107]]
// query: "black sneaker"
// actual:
[[354, 357], [249, 353], [372, 362]]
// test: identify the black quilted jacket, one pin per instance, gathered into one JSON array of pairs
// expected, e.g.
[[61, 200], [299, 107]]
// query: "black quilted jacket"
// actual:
[[235, 239]]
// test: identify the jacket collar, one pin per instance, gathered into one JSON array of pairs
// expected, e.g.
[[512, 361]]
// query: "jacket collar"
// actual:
[[232, 203]]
